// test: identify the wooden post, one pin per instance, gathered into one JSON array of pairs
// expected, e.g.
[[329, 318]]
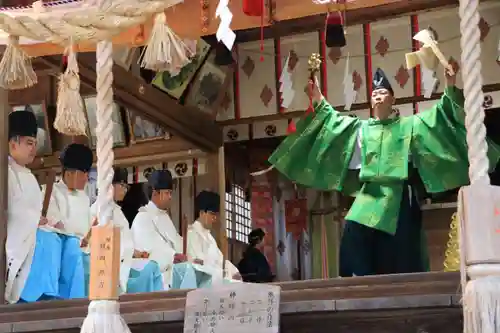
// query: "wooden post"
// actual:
[[4, 188], [104, 262], [217, 183]]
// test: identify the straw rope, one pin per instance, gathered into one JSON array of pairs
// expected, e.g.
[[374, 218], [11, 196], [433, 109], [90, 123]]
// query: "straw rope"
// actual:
[[470, 43], [79, 21], [105, 155]]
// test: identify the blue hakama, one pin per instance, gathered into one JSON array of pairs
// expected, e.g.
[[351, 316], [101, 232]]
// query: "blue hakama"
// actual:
[[149, 279], [186, 276], [57, 269]]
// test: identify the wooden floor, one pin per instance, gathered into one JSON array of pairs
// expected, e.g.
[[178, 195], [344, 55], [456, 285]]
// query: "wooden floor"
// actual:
[[419, 303]]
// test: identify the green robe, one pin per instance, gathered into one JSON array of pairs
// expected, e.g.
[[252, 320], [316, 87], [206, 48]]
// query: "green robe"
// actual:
[[318, 156]]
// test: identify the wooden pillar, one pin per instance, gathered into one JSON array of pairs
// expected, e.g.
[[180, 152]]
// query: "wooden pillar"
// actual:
[[217, 173], [4, 153]]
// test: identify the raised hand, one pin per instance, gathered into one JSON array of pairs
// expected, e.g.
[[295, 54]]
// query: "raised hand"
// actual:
[[314, 90], [450, 76]]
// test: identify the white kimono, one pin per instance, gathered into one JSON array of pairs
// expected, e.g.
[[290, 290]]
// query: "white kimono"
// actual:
[[202, 245], [23, 217], [126, 242], [153, 231], [72, 208]]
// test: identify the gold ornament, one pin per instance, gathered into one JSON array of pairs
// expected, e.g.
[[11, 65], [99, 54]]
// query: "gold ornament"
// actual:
[[452, 254], [314, 63]]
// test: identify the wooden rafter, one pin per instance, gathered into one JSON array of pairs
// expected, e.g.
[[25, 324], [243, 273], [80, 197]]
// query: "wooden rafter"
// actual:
[[353, 17], [132, 92]]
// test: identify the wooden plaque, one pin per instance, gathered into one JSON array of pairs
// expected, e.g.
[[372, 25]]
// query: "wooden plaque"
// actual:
[[104, 263]]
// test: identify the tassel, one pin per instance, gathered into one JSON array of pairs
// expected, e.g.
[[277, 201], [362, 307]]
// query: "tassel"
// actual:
[[335, 35], [104, 316], [16, 71], [71, 118], [165, 51], [104, 309], [291, 127]]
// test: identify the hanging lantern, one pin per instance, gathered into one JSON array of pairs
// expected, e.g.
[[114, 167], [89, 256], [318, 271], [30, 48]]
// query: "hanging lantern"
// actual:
[[253, 7]]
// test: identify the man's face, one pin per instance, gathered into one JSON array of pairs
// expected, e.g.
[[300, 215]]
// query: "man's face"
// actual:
[[163, 198], [382, 101], [76, 179], [208, 219], [23, 149], [120, 190]]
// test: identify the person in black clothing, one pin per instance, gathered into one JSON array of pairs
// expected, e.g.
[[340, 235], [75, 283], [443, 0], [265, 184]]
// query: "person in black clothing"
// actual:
[[253, 266]]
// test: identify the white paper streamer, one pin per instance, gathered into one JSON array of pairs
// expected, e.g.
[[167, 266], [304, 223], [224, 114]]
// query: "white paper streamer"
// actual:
[[286, 85], [429, 81], [224, 32], [350, 93]]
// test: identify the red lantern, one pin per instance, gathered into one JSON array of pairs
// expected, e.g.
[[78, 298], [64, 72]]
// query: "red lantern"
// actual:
[[253, 7]]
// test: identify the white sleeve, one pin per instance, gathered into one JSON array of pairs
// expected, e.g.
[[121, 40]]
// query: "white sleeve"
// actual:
[[230, 270], [195, 246], [146, 239], [53, 212]]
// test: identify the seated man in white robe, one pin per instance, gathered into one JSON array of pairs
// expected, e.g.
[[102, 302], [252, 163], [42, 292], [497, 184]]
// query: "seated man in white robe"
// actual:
[[24, 203], [153, 230], [202, 247], [58, 259], [148, 278]]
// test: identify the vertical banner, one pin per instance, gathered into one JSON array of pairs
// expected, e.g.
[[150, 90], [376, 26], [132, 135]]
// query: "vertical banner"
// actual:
[[296, 217], [262, 217]]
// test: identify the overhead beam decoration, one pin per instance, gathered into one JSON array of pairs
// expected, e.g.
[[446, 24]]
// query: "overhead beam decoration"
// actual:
[[189, 123], [354, 16], [285, 13]]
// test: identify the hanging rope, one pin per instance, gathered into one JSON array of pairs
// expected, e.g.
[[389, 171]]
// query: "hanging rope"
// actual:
[[470, 43], [105, 155]]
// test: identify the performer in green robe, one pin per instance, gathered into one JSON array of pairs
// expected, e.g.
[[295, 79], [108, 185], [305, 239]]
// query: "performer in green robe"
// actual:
[[375, 160]]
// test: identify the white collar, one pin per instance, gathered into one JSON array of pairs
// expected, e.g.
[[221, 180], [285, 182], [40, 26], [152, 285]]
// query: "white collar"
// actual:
[[16, 166], [198, 226]]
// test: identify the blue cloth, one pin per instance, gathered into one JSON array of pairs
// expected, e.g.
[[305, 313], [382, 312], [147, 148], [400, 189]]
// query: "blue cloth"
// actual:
[[185, 276], [57, 269], [147, 280]]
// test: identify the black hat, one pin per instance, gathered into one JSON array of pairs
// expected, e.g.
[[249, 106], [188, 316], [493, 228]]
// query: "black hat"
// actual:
[[161, 180], [76, 157], [22, 123], [335, 36], [256, 235], [207, 201], [120, 175], [380, 81]]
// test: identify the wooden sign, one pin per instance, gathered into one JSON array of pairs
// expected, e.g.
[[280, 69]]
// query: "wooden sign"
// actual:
[[296, 216], [235, 308], [104, 262]]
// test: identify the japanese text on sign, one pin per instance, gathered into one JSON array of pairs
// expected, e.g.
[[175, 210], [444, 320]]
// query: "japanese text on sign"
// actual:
[[236, 308], [104, 251]]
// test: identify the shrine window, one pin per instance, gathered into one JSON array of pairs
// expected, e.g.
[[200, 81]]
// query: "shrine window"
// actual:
[[238, 214]]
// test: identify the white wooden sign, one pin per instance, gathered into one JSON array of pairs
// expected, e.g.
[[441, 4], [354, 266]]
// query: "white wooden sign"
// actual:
[[235, 308]]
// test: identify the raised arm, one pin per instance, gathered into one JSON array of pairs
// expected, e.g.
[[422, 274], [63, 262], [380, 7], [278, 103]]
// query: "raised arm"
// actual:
[[439, 146], [318, 153]]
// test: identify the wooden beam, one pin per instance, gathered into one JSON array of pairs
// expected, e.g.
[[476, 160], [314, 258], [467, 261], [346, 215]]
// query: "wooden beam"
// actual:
[[134, 93], [144, 153], [353, 17], [4, 188]]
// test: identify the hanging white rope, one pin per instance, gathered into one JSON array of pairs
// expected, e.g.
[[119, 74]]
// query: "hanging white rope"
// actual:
[[470, 43], [478, 245], [104, 132]]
